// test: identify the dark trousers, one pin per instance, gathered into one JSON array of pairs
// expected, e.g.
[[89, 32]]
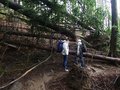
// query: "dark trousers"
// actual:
[[65, 61], [80, 59]]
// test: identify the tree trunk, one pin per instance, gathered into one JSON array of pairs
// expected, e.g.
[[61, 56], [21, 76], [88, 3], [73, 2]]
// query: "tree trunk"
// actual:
[[99, 58], [114, 32], [30, 35]]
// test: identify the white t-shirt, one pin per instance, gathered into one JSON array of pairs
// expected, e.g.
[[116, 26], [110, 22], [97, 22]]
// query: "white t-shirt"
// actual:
[[65, 50], [78, 47]]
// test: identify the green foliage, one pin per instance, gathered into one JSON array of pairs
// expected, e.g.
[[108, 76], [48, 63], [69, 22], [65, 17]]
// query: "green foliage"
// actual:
[[55, 12], [87, 12], [82, 10]]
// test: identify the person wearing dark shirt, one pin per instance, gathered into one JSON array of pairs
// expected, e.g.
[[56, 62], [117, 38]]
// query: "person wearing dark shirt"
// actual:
[[79, 53]]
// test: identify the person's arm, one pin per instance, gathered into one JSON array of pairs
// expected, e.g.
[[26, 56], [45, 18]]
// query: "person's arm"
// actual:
[[84, 49], [78, 47]]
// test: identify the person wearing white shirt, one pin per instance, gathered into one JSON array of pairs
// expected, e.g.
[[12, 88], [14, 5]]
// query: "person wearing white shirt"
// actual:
[[65, 53]]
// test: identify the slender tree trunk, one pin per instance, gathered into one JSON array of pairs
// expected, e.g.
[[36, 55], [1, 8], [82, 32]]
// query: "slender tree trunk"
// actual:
[[114, 32]]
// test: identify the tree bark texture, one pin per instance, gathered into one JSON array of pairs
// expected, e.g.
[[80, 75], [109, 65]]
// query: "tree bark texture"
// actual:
[[114, 31]]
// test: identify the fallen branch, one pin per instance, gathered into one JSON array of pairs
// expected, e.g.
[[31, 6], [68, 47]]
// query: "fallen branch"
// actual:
[[48, 36], [10, 45], [29, 34], [89, 55], [102, 57]]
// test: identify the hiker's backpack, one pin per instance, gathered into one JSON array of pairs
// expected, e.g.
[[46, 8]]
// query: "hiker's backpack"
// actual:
[[60, 46]]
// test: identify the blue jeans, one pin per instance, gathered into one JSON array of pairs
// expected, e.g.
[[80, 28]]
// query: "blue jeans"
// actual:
[[65, 61], [80, 59]]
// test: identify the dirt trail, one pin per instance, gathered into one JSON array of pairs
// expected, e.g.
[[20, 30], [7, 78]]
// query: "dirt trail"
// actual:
[[43, 77], [38, 82], [54, 78], [51, 75]]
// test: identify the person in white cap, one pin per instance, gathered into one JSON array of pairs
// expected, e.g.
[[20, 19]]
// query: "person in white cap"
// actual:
[[65, 53], [79, 53]]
